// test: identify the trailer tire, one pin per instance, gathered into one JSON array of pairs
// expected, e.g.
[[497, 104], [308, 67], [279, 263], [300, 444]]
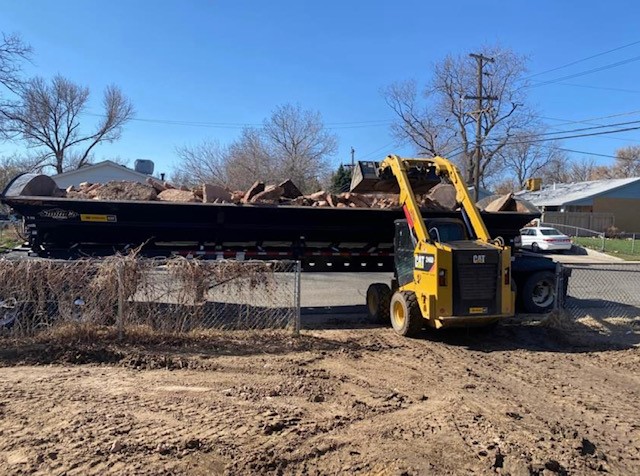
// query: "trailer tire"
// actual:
[[406, 317], [378, 303], [539, 292]]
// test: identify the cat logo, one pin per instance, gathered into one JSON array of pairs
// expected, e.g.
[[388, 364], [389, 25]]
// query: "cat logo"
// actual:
[[424, 262], [479, 259]]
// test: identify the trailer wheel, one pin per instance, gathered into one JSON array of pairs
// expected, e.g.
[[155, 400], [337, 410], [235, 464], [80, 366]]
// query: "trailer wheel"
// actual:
[[539, 292], [406, 317], [378, 299]]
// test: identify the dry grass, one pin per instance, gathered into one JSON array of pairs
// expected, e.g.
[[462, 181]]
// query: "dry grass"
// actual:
[[83, 297], [9, 238]]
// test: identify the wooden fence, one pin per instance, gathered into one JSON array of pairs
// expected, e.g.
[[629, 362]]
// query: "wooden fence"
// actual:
[[591, 221]]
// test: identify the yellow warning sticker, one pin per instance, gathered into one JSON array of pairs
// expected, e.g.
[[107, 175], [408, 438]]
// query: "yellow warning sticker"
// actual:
[[98, 218], [478, 310]]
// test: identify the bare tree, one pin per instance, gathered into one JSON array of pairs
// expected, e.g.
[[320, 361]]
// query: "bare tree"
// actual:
[[439, 121], [299, 145], [556, 171], [292, 143], [523, 158], [13, 165], [47, 117], [250, 160], [13, 51], [627, 162], [582, 170], [203, 163]]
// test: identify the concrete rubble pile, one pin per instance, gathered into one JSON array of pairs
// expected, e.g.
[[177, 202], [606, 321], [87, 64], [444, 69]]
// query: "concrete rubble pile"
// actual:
[[441, 197]]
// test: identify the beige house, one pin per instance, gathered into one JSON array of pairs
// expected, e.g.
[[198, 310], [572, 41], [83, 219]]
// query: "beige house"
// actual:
[[595, 205]]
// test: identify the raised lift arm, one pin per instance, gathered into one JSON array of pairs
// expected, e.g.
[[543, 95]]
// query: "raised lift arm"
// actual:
[[438, 167]]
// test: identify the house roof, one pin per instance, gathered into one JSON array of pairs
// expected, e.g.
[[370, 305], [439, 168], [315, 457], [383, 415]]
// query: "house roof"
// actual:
[[100, 165], [567, 193]]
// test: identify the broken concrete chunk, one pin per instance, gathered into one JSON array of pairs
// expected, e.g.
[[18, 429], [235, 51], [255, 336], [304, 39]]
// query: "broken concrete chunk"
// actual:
[[93, 187], [237, 196], [124, 191], [358, 200], [270, 194], [444, 195], [318, 195], [289, 189], [211, 193], [332, 200], [302, 202], [158, 186], [255, 189], [175, 195]]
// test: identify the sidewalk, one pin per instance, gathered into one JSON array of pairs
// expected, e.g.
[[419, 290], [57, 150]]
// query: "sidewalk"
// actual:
[[591, 256]]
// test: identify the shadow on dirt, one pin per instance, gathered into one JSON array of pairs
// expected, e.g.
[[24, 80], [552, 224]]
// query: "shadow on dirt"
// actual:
[[149, 350], [536, 337], [336, 317], [527, 332]]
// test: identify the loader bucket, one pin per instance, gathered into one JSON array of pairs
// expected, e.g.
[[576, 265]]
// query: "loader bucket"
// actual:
[[367, 178]]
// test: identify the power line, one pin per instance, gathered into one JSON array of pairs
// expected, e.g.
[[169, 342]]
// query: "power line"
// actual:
[[582, 152], [582, 129], [240, 125], [603, 88], [584, 73], [587, 121], [369, 154], [582, 60], [530, 141]]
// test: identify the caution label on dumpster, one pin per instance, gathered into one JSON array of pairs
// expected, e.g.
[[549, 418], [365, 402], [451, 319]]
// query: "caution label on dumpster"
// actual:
[[98, 218]]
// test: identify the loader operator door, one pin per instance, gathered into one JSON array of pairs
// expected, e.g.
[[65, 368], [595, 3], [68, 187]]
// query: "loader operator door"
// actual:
[[443, 230], [404, 247]]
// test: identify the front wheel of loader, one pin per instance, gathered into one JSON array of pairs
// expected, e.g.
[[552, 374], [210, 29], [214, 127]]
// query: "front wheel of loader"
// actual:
[[406, 317], [378, 299]]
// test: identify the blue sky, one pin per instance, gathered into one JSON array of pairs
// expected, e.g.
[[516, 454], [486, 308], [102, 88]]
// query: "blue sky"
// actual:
[[227, 63]]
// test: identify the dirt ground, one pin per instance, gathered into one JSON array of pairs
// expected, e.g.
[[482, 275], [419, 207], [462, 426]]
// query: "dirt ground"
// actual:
[[522, 399]]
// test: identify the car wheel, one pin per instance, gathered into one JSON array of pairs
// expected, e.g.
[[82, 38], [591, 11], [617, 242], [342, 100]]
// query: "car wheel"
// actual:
[[535, 248]]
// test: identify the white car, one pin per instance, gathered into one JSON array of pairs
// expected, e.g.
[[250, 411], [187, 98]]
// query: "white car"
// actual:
[[544, 238]]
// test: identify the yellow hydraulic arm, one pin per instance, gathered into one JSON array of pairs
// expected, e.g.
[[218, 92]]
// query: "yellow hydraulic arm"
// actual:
[[430, 293], [443, 168]]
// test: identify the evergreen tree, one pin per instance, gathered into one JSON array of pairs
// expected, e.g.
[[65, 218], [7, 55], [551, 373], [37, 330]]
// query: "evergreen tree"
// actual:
[[341, 180]]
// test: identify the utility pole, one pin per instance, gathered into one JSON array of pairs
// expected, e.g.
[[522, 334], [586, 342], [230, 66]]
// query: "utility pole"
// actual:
[[353, 155], [481, 60]]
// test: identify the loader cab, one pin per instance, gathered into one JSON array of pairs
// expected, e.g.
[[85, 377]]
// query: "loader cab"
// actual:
[[441, 230]]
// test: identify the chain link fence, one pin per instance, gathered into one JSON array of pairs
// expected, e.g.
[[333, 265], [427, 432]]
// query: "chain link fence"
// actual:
[[174, 295], [603, 291]]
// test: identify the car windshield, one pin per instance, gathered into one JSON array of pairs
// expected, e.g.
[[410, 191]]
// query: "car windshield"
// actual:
[[550, 232]]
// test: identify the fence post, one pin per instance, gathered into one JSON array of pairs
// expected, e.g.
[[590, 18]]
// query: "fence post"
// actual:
[[602, 245], [633, 244], [296, 327], [557, 303], [120, 316]]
